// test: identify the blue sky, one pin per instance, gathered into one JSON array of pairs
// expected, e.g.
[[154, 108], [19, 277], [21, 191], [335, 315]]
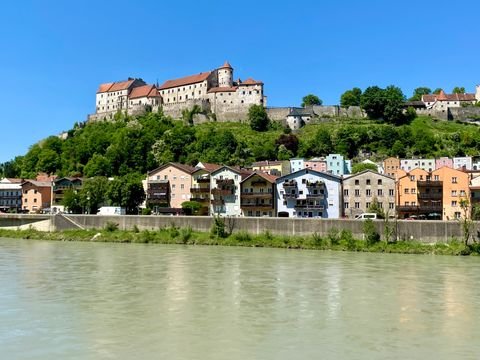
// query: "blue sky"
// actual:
[[55, 53]]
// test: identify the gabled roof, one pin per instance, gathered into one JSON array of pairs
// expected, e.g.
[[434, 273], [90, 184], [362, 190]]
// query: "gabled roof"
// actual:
[[185, 168], [38, 183], [222, 89], [369, 171], [270, 178], [71, 179], [11, 181], [144, 91], [309, 171], [251, 81], [207, 166], [299, 112], [118, 85], [234, 169], [187, 80]]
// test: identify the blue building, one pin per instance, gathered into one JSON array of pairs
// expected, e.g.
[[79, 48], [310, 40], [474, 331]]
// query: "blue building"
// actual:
[[337, 165]]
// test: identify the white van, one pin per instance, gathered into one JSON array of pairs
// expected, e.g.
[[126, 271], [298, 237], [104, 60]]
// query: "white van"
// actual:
[[111, 210], [365, 216]]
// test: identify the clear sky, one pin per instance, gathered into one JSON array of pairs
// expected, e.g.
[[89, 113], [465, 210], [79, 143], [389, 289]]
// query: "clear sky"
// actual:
[[56, 53]]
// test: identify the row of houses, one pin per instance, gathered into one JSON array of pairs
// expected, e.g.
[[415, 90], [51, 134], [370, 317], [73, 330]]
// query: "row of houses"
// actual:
[[32, 196], [232, 191]]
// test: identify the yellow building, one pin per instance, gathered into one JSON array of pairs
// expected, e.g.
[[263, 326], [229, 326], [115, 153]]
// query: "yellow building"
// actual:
[[276, 168]]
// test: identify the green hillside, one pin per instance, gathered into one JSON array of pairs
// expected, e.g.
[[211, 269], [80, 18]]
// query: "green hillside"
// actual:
[[137, 145]]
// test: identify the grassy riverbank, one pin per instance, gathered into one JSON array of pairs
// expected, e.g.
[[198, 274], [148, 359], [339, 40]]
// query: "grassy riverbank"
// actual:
[[337, 241]]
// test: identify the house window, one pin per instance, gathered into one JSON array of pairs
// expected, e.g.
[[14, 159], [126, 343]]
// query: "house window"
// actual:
[[368, 181], [369, 192], [357, 182], [380, 192], [391, 205], [454, 192], [391, 192], [345, 205], [357, 205], [413, 191], [454, 180], [454, 203], [406, 191], [357, 192], [345, 192], [379, 182], [367, 204]]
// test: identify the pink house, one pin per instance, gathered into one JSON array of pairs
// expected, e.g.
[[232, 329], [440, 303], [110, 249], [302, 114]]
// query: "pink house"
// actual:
[[443, 161], [317, 164]]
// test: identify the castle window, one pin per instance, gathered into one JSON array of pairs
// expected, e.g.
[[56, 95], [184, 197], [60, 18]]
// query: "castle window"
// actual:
[[224, 101], [193, 93], [180, 98], [186, 97], [243, 92], [199, 92], [242, 101], [229, 94], [250, 93]]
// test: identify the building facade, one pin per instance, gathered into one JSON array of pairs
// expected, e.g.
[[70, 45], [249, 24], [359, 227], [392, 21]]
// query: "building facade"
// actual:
[[443, 161], [169, 185], [225, 191], [36, 196], [309, 193], [258, 195], [337, 165], [361, 190], [276, 168], [317, 164], [391, 166], [62, 185], [424, 164], [200, 190], [10, 195]]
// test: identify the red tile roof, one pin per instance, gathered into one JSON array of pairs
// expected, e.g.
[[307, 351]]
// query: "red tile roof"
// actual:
[[226, 65], [144, 91], [223, 89], [267, 163], [187, 80], [250, 81], [448, 97], [211, 167], [104, 87]]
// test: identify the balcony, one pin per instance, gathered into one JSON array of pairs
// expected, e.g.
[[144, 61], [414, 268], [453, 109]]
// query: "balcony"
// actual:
[[316, 196], [419, 209], [430, 196], [257, 195], [225, 182], [222, 192], [256, 205], [290, 196], [429, 183], [315, 184], [289, 184], [259, 182], [309, 206], [199, 191], [203, 180], [217, 202]]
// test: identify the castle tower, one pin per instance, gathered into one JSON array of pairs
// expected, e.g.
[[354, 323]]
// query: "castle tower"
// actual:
[[477, 93], [225, 75]]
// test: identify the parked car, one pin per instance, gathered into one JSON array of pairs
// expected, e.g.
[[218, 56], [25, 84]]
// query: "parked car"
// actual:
[[365, 216]]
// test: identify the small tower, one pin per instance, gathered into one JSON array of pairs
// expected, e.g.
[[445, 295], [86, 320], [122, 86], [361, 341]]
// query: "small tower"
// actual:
[[477, 93], [225, 75]]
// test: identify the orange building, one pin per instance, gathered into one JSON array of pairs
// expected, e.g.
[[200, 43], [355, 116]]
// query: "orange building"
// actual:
[[455, 185], [407, 195], [391, 166], [36, 195]]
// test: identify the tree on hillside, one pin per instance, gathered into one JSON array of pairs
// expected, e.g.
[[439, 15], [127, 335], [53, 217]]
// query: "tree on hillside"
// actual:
[[258, 118], [72, 201], [126, 191], [386, 104], [290, 142], [458, 90], [351, 97], [363, 166], [310, 100], [419, 92], [372, 102], [437, 91], [93, 194]]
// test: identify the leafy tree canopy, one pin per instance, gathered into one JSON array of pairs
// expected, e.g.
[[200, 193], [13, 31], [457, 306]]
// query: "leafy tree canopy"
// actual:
[[310, 100], [258, 118], [458, 90], [363, 166], [351, 97], [419, 92]]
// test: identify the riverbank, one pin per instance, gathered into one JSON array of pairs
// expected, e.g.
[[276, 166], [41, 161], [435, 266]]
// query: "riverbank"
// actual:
[[336, 241]]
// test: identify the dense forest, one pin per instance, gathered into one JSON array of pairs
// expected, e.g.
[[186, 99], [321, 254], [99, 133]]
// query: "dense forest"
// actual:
[[135, 145]]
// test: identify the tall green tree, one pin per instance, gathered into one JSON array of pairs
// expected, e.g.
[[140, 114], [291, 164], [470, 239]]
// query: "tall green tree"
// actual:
[[458, 90], [419, 92], [310, 100], [126, 191], [258, 118], [94, 194], [437, 91], [351, 97]]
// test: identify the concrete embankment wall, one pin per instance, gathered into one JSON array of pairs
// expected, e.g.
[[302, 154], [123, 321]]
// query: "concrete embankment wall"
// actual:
[[425, 231]]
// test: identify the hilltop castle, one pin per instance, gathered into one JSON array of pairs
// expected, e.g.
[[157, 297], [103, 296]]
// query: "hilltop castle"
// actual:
[[213, 91]]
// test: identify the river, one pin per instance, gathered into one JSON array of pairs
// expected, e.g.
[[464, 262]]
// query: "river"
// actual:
[[74, 300]]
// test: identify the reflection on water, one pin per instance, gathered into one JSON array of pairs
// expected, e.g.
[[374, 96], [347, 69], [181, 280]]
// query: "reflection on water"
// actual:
[[117, 301]]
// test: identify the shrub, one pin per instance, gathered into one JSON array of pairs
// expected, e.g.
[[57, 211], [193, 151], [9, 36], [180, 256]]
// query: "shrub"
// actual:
[[185, 234], [317, 239], [146, 211], [347, 236], [218, 227], [173, 231], [333, 236], [242, 236], [110, 226], [371, 235], [135, 229]]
